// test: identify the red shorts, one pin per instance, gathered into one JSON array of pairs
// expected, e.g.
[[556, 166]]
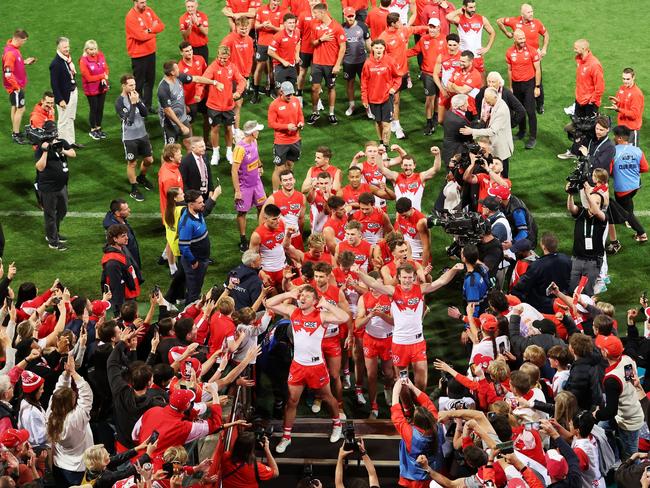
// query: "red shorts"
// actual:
[[276, 278], [406, 354], [331, 347], [343, 330], [377, 348], [359, 332], [296, 241], [479, 65], [413, 483], [444, 101], [314, 377]]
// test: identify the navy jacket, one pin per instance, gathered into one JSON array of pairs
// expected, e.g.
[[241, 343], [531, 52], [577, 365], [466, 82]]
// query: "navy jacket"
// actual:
[[132, 246], [531, 287], [62, 83]]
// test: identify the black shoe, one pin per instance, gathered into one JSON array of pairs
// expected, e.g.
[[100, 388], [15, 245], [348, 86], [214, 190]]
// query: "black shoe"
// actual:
[[59, 246], [313, 118], [243, 244], [136, 195], [62, 238], [520, 136], [332, 119], [210, 261], [102, 134], [255, 98], [142, 179], [429, 129], [77, 146], [162, 261], [18, 138], [531, 143], [540, 109], [94, 135]]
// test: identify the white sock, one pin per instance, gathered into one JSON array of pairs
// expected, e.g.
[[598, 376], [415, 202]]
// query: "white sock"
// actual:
[[173, 268], [164, 254], [331, 110], [350, 104]]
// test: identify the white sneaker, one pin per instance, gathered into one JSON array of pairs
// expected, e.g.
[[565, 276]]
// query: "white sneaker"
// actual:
[[567, 155], [350, 110], [316, 405], [320, 105], [399, 132], [229, 155], [342, 415], [388, 397], [336, 433], [361, 400], [282, 445], [215, 157], [374, 414], [369, 114], [393, 125], [347, 382]]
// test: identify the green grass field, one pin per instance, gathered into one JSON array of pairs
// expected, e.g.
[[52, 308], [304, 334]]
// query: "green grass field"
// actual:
[[98, 173]]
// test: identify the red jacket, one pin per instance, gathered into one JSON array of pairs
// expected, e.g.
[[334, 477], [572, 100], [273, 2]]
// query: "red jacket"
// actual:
[[141, 30], [377, 79], [590, 83], [228, 75]]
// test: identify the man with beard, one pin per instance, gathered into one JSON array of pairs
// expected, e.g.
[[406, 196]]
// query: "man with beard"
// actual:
[[292, 205], [470, 30]]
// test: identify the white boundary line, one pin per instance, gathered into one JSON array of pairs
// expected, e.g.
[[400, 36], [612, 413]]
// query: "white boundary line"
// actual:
[[226, 216]]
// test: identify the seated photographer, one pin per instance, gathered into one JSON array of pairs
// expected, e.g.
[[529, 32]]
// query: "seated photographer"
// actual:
[[486, 172], [588, 236], [240, 466], [344, 452]]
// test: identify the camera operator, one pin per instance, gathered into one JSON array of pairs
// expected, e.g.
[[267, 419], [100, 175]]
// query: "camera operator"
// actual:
[[486, 172], [476, 283], [490, 251], [241, 467], [601, 150], [52, 183], [373, 479], [499, 228], [521, 220], [588, 237]]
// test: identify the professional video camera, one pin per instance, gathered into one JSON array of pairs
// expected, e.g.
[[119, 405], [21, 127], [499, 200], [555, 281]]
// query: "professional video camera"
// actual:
[[465, 159], [351, 443], [466, 228], [578, 176], [583, 128], [48, 133]]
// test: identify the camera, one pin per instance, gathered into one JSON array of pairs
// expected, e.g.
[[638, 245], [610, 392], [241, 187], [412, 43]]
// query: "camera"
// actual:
[[464, 160], [260, 433], [583, 128], [48, 133], [351, 443], [466, 227], [579, 176]]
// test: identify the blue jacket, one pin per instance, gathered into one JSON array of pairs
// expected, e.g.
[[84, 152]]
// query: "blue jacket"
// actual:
[[193, 238], [626, 168], [420, 444]]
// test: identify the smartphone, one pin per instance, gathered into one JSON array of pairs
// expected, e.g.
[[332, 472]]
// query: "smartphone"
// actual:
[[9, 302], [502, 348], [404, 375], [505, 447], [155, 291], [153, 437], [107, 288], [187, 369], [628, 372], [532, 425], [550, 288]]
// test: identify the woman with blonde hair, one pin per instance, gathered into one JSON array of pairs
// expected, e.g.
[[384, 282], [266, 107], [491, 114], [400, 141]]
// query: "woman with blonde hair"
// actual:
[[68, 427], [102, 470], [94, 78], [174, 206]]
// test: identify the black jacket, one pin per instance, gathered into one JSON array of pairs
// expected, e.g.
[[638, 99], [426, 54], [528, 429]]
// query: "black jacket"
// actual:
[[249, 287], [112, 474], [132, 246], [453, 140], [518, 343], [62, 84], [117, 275], [531, 287], [517, 110], [191, 175], [128, 407], [584, 380], [601, 154]]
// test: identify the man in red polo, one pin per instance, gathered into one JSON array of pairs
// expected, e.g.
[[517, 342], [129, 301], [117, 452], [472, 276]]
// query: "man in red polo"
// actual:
[[284, 50], [237, 9], [194, 29], [268, 22], [533, 28], [306, 23], [525, 75], [467, 80], [434, 9], [194, 65], [376, 20], [629, 102], [15, 80]]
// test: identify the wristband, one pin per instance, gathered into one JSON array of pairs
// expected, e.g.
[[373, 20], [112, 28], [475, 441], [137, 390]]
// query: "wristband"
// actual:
[[523, 469]]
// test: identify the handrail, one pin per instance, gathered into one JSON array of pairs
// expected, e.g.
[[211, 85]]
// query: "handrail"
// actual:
[[233, 414]]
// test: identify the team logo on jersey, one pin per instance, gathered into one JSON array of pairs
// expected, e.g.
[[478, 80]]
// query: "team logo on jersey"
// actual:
[[373, 226], [413, 301], [294, 207], [412, 186]]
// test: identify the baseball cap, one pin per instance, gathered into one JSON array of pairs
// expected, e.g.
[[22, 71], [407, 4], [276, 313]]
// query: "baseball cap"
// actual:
[[286, 87], [30, 381], [492, 203], [482, 360], [434, 21], [488, 322], [502, 192], [176, 352], [522, 245], [14, 437], [349, 11], [556, 465], [252, 126], [99, 307], [180, 399], [545, 326], [612, 346]]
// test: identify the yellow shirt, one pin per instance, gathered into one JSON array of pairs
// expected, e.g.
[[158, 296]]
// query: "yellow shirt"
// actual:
[[171, 233]]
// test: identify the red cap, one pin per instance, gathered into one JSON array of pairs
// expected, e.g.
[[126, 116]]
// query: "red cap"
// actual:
[[482, 361], [349, 11], [556, 465], [612, 346], [488, 322], [100, 307], [30, 381], [180, 399], [176, 352], [14, 437], [502, 192]]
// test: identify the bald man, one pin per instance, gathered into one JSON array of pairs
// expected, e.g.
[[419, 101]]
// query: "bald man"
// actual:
[[533, 28], [525, 77]]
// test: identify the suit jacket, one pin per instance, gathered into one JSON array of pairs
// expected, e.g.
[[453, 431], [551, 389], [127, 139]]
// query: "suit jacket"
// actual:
[[517, 110], [62, 83], [498, 130], [191, 175], [453, 139]]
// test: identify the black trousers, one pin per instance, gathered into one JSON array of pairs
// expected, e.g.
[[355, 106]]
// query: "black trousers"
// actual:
[[202, 51], [627, 202], [525, 93], [144, 71], [96, 105], [539, 101], [506, 167], [55, 207]]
